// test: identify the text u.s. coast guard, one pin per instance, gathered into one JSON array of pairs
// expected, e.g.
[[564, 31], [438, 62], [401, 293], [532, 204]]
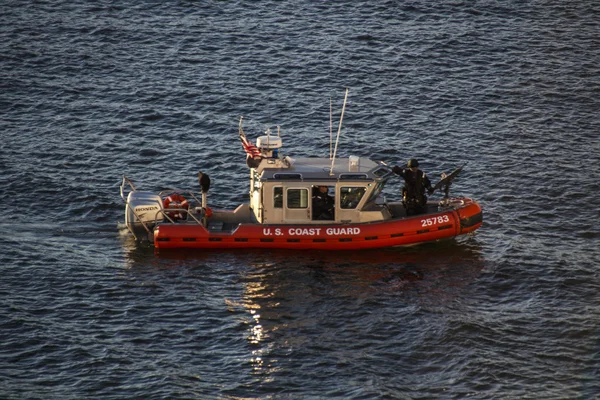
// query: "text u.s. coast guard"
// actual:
[[310, 231]]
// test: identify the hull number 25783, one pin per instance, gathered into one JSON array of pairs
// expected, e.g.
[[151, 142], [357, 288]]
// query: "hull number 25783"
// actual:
[[435, 220]]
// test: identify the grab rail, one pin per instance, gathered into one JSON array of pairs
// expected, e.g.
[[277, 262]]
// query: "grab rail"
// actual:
[[164, 211], [126, 180]]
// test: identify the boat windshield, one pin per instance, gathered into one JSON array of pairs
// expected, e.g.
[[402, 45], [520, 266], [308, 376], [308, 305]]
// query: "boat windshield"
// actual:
[[376, 191]]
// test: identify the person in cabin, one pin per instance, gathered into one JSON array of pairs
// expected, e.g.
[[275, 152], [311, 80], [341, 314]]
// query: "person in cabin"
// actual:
[[322, 203], [415, 183]]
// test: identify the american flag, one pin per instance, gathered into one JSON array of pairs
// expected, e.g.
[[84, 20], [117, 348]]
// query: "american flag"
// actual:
[[249, 148]]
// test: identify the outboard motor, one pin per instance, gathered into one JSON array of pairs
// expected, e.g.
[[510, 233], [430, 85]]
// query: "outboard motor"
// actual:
[[142, 212]]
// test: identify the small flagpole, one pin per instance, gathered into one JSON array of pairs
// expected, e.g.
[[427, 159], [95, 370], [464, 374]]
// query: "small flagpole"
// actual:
[[338, 134]]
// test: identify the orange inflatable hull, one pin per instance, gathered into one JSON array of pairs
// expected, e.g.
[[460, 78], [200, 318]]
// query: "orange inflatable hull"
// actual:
[[395, 232]]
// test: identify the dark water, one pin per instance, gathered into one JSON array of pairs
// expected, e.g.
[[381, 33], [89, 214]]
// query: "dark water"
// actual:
[[154, 90]]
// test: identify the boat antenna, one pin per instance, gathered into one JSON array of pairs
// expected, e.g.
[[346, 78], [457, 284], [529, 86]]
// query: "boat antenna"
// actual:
[[330, 128], [338, 134]]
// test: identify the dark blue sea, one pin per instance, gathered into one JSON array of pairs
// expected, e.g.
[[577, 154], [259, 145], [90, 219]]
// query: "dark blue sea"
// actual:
[[92, 91]]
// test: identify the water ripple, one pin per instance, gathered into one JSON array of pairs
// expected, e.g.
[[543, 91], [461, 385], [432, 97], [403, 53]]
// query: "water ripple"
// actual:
[[154, 91]]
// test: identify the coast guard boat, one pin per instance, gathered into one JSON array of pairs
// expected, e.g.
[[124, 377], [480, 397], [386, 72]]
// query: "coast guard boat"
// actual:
[[281, 213]]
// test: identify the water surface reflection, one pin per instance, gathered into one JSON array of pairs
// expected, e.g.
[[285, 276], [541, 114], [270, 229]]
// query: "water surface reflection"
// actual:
[[292, 306]]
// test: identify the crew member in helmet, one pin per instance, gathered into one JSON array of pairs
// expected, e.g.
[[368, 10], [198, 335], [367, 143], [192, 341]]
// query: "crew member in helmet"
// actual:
[[415, 183]]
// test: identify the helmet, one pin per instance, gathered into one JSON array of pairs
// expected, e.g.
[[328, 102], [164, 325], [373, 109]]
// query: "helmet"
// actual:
[[413, 163]]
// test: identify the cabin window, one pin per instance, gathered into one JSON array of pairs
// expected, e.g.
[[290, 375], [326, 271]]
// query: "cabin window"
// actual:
[[297, 198], [350, 196], [379, 172], [287, 176], [353, 177], [255, 180], [376, 191], [278, 197]]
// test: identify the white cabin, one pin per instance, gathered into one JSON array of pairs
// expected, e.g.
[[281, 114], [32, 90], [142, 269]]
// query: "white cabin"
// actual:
[[281, 189]]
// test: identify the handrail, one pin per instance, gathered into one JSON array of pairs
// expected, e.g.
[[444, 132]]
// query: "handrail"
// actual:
[[128, 181], [182, 192], [182, 210]]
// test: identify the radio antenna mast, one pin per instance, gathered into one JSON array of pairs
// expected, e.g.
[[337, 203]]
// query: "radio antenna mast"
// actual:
[[330, 129], [338, 134]]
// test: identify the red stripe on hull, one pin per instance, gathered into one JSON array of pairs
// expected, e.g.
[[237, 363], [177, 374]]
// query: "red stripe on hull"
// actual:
[[399, 232]]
